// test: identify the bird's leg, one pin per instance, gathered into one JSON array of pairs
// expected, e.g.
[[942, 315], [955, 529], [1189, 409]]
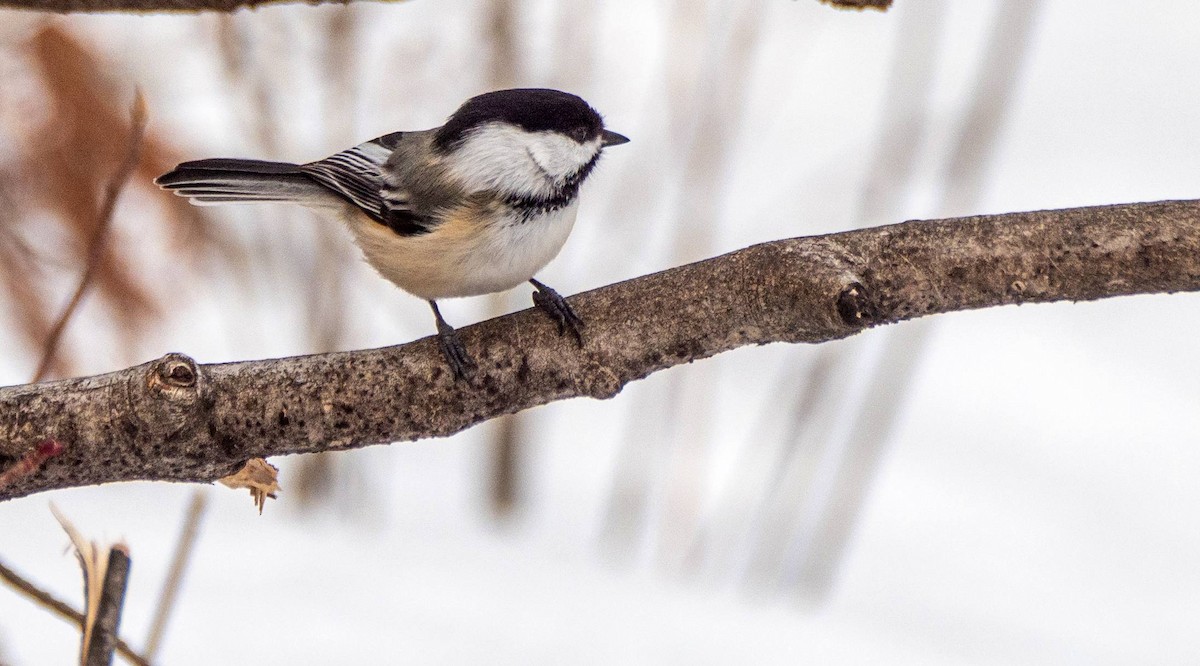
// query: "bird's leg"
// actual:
[[559, 310], [453, 348]]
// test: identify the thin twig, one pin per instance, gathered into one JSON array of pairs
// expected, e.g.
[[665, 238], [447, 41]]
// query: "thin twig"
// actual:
[[60, 608], [96, 247], [179, 565], [44, 451]]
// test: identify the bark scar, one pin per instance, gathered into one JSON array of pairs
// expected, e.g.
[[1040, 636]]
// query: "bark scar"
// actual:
[[857, 307], [176, 388]]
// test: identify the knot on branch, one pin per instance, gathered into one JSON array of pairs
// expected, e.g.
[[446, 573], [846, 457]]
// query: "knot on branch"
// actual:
[[856, 306], [176, 388], [174, 377]]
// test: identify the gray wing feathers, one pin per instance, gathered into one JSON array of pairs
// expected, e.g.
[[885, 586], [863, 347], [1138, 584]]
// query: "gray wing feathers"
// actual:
[[355, 174]]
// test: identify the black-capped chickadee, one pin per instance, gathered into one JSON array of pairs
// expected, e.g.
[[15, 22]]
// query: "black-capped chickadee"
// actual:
[[476, 206]]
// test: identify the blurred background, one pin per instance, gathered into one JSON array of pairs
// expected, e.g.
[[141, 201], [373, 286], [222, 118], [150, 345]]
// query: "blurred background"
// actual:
[[1014, 485]]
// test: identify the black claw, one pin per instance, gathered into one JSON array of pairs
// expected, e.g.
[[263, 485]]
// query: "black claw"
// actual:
[[559, 310], [453, 349], [456, 354]]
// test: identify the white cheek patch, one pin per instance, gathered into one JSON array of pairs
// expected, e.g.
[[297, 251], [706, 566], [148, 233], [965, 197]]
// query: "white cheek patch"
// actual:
[[560, 156], [509, 159]]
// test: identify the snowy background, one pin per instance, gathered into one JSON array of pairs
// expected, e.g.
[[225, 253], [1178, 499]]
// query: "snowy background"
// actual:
[[1014, 485]]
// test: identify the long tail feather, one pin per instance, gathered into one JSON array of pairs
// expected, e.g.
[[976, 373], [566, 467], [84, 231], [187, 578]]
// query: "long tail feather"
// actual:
[[225, 180]]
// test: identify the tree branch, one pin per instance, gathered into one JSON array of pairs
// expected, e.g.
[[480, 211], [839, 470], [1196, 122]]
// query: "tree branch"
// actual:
[[90, 6], [172, 419], [68, 6]]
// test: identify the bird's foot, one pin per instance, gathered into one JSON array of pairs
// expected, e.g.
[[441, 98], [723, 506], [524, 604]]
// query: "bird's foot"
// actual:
[[559, 310], [453, 349], [456, 354]]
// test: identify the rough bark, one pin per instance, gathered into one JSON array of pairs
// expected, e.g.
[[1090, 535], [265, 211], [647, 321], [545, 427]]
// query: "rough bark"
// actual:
[[172, 419], [146, 6], [879, 5]]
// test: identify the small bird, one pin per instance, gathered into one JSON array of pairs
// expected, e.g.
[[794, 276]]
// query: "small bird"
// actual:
[[476, 206]]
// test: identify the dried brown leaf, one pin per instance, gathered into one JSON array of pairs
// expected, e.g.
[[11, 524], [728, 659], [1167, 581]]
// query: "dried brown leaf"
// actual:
[[260, 477]]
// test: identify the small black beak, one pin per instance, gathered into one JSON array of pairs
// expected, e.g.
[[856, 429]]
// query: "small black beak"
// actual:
[[610, 138]]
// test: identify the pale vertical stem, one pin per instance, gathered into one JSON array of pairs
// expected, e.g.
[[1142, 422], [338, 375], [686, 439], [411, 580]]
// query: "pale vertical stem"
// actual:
[[795, 499], [813, 565], [179, 564], [508, 433]]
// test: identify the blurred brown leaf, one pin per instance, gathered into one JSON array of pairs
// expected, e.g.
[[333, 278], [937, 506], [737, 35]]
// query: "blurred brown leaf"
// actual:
[[64, 158], [98, 243]]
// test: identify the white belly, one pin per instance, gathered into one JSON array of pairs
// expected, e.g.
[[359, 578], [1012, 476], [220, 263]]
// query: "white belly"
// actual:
[[453, 262]]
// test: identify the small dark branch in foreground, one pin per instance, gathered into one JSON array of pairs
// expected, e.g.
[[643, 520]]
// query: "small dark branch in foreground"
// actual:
[[43, 598], [173, 419], [103, 639]]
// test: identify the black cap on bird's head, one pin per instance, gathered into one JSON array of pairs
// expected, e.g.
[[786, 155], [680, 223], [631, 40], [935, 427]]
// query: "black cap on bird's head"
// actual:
[[531, 109]]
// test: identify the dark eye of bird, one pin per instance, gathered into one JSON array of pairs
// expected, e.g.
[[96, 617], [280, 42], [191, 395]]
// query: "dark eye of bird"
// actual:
[[580, 134]]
